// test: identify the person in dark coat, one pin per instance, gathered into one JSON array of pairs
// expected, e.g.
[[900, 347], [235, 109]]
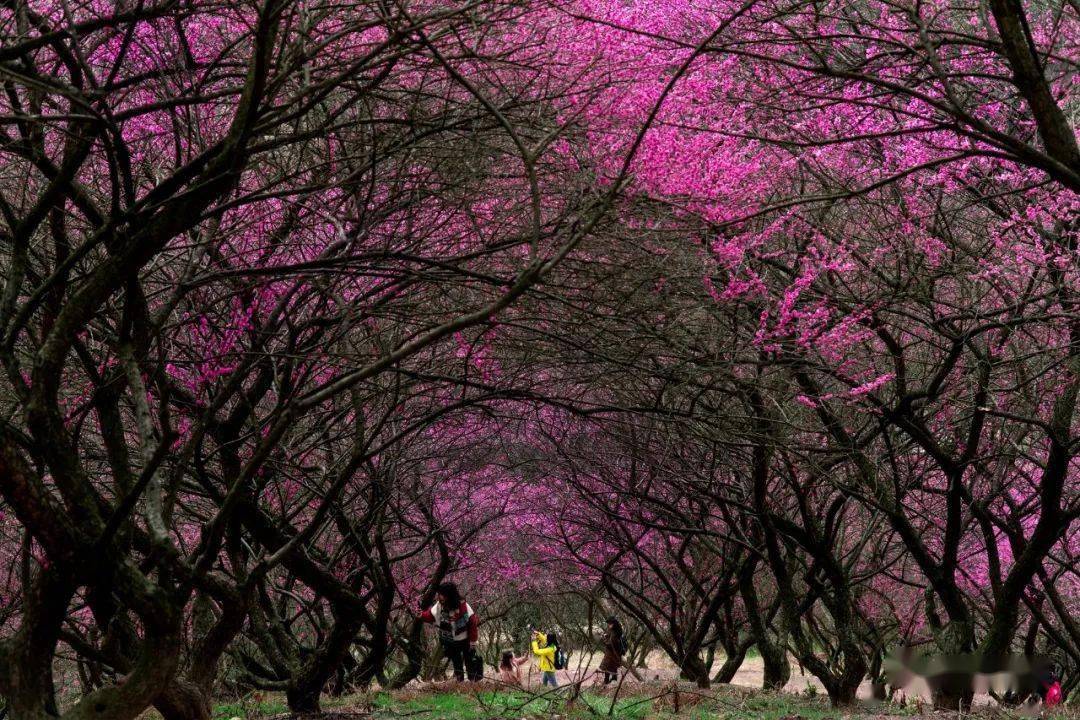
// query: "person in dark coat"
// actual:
[[614, 648]]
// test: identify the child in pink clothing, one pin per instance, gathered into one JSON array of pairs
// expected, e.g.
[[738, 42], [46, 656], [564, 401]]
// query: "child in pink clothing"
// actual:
[[510, 669]]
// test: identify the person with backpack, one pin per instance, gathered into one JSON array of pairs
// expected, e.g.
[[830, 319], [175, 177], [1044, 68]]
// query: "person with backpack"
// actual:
[[548, 656], [458, 631], [614, 649]]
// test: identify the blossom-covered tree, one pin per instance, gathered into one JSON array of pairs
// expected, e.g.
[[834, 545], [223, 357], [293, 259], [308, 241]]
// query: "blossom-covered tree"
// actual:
[[756, 319]]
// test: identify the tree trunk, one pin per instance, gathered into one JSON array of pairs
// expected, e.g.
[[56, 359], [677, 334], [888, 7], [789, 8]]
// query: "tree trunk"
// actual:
[[26, 675], [777, 668], [841, 693], [184, 701], [414, 657], [306, 685], [190, 698], [735, 646], [773, 654], [694, 670], [950, 692], [733, 660]]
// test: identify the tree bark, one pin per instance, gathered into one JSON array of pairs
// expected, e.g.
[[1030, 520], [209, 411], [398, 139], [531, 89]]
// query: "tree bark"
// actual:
[[305, 687], [694, 670]]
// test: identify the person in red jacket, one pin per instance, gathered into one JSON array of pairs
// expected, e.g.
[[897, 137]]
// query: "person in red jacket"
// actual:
[[458, 628]]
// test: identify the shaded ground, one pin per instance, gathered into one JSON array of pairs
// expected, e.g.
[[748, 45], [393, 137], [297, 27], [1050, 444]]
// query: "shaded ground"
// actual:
[[660, 696], [640, 701]]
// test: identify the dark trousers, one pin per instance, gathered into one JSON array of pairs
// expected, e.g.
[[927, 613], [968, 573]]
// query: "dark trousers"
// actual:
[[458, 652]]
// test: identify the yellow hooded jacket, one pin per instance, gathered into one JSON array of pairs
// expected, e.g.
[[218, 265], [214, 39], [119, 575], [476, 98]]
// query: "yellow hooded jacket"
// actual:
[[545, 654]]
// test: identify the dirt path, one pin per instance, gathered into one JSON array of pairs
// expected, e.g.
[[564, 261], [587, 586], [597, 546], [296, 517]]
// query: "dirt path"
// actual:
[[751, 675]]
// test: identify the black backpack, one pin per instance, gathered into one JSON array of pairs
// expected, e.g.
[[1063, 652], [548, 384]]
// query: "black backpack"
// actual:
[[561, 659], [474, 667]]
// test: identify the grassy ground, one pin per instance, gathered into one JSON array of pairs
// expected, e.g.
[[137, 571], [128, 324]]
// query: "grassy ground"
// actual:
[[642, 703]]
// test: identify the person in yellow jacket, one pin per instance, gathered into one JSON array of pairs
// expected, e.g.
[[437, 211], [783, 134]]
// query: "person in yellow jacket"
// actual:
[[545, 657]]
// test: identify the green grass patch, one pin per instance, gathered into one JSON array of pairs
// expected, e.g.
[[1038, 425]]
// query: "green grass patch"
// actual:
[[493, 705], [463, 706], [249, 708], [773, 707], [505, 704], [638, 703]]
